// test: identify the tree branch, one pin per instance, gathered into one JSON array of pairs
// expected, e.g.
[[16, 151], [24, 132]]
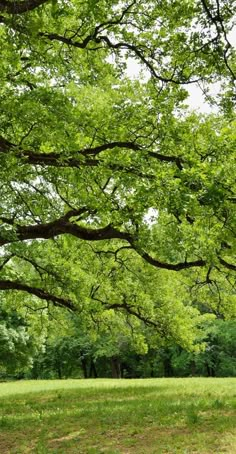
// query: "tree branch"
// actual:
[[217, 20], [170, 266], [42, 294], [5, 261], [63, 225], [104, 39], [127, 308], [230, 266], [178, 161], [130, 309], [56, 159], [98, 38], [17, 7]]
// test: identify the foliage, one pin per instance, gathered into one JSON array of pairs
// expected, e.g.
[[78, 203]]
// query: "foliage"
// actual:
[[114, 195]]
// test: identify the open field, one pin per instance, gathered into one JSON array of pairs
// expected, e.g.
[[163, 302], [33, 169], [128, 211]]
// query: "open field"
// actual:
[[194, 415]]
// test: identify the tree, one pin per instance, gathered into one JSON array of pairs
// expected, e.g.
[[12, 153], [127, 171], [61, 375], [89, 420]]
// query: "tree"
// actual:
[[87, 153]]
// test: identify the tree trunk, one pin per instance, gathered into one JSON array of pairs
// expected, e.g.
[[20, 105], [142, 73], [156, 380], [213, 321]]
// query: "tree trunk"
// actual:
[[84, 367], [168, 371], [115, 367], [193, 368], [92, 370], [59, 371]]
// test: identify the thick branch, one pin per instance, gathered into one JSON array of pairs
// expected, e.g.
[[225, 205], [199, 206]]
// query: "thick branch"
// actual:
[[42, 294], [63, 225], [17, 7], [109, 146], [56, 159], [170, 266], [165, 158], [45, 159], [68, 41]]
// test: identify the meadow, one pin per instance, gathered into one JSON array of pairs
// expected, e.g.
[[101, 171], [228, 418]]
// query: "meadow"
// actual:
[[169, 415]]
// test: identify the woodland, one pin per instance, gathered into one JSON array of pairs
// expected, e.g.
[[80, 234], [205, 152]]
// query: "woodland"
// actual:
[[117, 196]]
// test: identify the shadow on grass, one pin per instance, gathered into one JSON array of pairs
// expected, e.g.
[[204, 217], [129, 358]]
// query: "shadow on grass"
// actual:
[[61, 419]]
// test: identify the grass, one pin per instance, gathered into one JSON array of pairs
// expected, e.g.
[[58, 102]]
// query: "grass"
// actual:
[[187, 416]]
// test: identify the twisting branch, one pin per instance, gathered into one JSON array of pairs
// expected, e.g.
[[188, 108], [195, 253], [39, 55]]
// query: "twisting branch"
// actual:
[[136, 51], [118, 21], [208, 11], [40, 293], [55, 37], [170, 266], [110, 146], [105, 40], [64, 225], [87, 160], [60, 226], [101, 27]]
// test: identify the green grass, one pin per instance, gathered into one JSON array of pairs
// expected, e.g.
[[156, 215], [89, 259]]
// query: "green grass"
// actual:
[[187, 416]]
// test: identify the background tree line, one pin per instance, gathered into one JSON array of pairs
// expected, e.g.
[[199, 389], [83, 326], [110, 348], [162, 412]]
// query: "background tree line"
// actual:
[[80, 354]]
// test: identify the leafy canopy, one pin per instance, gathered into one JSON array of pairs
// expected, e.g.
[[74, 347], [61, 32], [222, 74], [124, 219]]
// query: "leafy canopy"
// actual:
[[89, 153]]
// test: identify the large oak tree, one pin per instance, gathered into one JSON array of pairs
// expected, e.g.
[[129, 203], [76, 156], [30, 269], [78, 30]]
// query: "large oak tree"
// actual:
[[90, 154]]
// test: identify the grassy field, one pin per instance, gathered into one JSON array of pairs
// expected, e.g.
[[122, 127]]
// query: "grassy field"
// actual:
[[192, 415]]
